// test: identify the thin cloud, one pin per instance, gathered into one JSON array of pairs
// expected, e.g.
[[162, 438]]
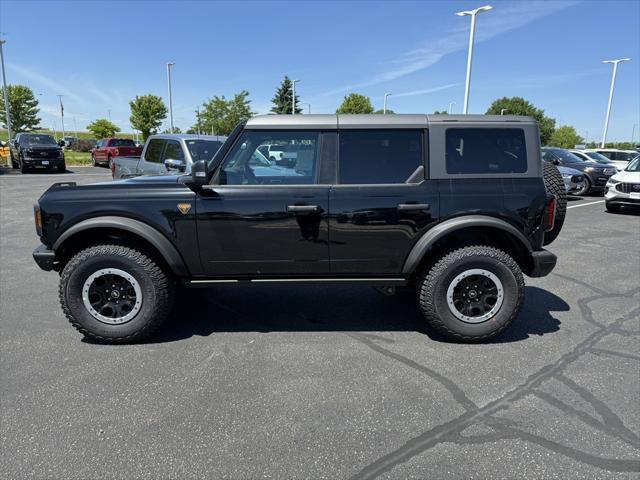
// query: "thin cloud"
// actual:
[[426, 90], [503, 19], [46, 81]]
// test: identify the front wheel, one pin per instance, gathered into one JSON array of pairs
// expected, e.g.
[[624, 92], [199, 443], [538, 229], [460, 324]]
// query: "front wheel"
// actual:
[[612, 207], [115, 294], [585, 188], [23, 167], [471, 294], [93, 160], [110, 163], [62, 168]]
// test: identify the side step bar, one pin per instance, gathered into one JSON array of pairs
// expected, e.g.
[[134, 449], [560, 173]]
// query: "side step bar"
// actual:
[[375, 281]]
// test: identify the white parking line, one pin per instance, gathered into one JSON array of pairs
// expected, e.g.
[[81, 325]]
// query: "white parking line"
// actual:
[[585, 204]]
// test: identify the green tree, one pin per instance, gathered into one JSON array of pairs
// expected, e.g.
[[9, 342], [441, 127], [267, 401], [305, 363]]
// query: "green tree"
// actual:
[[23, 109], [147, 114], [520, 106], [565, 137], [103, 128], [355, 103], [220, 116], [441, 112], [282, 99], [175, 130], [381, 111]]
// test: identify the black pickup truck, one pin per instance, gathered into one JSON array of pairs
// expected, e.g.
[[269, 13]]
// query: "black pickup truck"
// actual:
[[457, 207]]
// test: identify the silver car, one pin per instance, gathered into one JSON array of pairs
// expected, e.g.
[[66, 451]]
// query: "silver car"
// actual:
[[168, 154]]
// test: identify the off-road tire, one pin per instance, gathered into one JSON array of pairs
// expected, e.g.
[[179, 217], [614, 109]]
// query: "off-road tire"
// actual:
[[612, 207], [157, 285], [434, 281], [555, 185]]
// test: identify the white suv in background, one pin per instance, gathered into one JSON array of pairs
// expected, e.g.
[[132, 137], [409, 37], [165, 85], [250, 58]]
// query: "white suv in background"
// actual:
[[621, 158], [624, 188], [593, 156]]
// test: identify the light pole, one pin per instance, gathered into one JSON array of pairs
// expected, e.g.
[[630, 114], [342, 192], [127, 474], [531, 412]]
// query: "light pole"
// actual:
[[467, 84], [613, 83], [502, 110], [61, 114], [633, 132], [293, 101], [169, 65], [308, 107], [6, 92], [451, 104], [75, 126], [384, 108], [109, 114]]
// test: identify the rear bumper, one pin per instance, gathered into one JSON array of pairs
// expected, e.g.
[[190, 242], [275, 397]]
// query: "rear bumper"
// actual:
[[44, 257], [543, 263]]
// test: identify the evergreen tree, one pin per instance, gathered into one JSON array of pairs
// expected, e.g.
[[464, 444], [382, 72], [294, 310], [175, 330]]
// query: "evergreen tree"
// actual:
[[282, 99]]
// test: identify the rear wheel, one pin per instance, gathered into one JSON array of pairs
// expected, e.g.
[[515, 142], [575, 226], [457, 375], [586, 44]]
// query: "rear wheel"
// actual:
[[555, 185], [115, 294], [471, 294]]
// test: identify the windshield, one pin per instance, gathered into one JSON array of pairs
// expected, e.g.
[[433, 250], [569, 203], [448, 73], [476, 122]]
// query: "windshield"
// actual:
[[121, 142], [598, 157], [37, 139], [634, 166], [203, 149], [564, 155]]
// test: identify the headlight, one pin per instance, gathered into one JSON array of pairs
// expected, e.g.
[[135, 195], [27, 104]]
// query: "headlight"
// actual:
[[612, 181], [589, 169], [60, 154], [566, 175]]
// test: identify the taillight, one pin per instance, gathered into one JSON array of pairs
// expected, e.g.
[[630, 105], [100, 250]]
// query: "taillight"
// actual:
[[37, 214], [550, 214], [116, 152]]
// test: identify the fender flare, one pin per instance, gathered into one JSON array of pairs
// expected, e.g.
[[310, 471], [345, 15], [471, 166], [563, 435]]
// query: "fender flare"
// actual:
[[167, 250], [437, 232]]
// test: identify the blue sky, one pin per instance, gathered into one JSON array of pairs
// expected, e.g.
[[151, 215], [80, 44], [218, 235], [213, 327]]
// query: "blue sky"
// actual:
[[99, 55]]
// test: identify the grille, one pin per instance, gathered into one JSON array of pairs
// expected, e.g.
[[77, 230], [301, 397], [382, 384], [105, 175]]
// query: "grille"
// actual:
[[44, 154], [628, 187]]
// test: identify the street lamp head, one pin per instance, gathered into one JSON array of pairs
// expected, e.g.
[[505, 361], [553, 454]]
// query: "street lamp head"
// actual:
[[617, 61], [485, 8]]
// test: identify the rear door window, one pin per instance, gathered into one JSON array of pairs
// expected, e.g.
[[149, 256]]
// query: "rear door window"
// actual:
[[485, 150], [382, 156], [173, 151], [154, 151]]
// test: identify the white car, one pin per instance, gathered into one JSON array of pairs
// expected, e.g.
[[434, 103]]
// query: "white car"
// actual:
[[620, 158], [624, 188]]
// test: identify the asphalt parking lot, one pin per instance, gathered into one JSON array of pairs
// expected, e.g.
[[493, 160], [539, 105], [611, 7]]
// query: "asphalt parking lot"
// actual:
[[327, 382]]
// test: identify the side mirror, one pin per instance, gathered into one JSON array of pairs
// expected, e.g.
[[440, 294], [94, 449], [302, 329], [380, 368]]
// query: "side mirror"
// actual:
[[175, 165], [199, 173]]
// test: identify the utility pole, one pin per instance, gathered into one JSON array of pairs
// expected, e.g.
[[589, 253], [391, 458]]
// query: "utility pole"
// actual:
[[293, 100], [451, 104], [467, 85], [109, 114], [633, 132], [613, 83], [6, 92], [502, 110], [384, 108], [169, 65], [61, 115]]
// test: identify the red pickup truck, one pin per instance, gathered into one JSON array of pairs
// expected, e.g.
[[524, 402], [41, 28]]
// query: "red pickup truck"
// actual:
[[109, 148]]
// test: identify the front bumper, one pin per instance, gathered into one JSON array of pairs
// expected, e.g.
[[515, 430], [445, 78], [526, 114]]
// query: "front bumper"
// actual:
[[44, 257], [543, 263], [614, 196]]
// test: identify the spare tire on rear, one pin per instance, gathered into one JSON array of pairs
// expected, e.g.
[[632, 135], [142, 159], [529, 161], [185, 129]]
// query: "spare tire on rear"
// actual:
[[554, 184]]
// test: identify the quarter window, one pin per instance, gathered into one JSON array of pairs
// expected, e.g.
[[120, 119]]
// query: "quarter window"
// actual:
[[485, 150], [154, 151], [379, 156], [246, 164]]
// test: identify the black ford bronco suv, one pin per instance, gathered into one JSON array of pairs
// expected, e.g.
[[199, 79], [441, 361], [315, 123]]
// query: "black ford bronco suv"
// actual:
[[458, 207]]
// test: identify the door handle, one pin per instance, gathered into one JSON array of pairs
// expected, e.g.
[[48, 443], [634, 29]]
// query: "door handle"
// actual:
[[414, 206], [303, 208]]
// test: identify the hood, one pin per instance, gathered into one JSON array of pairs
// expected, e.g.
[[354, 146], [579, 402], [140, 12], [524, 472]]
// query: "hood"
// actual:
[[627, 177], [144, 179], [41, 146]]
